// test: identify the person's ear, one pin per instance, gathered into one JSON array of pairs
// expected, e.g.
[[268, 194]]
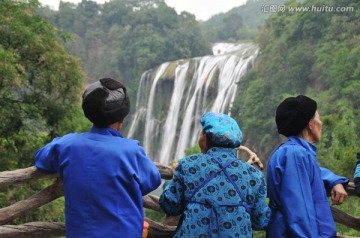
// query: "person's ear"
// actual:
[[311, 124], [203, 143]]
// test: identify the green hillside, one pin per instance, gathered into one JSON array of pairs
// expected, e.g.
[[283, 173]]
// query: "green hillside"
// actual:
[[312, 53], [240, 23]]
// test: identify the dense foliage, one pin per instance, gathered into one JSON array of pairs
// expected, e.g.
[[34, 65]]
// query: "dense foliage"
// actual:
[[40, 85], [240, 23], [312, 53], [123, 38], [41, 82]]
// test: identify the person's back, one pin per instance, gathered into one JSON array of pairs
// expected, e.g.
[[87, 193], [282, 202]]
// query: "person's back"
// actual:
[[295, 181], [292, 167], [217, 194], [228, 202], [104, 177]]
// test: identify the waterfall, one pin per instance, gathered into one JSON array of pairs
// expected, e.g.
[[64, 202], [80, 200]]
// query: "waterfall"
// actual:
[[172, 97]]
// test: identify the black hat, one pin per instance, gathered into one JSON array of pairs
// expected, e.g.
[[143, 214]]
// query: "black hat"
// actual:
[[293, 114], [105, 102]]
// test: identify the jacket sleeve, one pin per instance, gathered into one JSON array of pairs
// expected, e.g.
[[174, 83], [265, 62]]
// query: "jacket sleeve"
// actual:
[[149, 175], [46, 158], [296, 195], [330, 179], [172, 199]]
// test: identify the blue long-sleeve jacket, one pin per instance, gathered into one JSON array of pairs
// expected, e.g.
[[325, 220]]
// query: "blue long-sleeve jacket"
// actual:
[[230, 204], [297, 195], [104, 177], [357, 174]]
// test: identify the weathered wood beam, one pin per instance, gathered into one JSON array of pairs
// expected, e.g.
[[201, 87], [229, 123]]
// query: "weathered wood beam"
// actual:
[[22, 175], [8, 178], [345, 219], [152, 202], [51, 193], [31, 173], [39, 199], [158, 230], [55, 229], [165, 171], [350, 189], [343, 236], [33, 230]]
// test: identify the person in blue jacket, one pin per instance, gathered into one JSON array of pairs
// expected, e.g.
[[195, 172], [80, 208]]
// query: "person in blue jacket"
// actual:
[[357, 174], [217, 194], [104, 174], [296, 184]]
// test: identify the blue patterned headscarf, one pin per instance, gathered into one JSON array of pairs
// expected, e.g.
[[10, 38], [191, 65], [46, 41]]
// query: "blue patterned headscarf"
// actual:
[[222, 130]]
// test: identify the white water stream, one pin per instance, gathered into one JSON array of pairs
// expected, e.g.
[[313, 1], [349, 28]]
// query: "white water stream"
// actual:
[[172, 97]]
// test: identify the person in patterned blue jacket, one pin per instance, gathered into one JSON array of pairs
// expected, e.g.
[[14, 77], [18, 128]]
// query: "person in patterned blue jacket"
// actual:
[[357, 174], [217, 194], [105, 175], [296, 184]]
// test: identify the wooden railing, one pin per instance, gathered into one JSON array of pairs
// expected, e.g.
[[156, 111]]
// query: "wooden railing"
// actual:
[[162, 229]]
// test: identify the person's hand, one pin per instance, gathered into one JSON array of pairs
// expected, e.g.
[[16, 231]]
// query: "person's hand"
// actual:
[[338, 194], [253, 158], [174, 165]]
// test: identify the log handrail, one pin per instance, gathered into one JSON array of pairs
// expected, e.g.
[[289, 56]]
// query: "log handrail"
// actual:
[[33, 230], [37, 200], [22, 175], [345, 219], [54, 191]]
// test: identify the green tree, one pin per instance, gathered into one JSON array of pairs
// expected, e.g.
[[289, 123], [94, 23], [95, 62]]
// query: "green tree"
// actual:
[[40, 91], [232, 23], [123, 38], [40, 83], [305, 53]]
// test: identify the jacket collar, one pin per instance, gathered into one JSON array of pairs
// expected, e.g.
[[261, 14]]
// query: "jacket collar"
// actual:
[[216, 150], [106, 131], [304, 143]]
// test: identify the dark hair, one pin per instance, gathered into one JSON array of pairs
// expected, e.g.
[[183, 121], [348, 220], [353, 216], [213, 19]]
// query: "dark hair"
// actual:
[[293, 114], [106, 102], [209, 143]]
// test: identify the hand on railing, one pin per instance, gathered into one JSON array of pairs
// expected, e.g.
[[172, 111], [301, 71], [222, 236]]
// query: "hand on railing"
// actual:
[[253, 158]]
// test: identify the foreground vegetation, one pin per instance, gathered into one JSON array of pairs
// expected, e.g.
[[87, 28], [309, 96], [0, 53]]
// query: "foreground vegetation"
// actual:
[[312, 53]]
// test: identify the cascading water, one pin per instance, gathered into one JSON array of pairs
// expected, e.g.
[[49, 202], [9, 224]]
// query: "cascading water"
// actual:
[[172, 97]]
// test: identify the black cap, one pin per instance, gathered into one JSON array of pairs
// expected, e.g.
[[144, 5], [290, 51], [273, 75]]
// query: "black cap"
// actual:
[[293, 114], [105, 102]]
